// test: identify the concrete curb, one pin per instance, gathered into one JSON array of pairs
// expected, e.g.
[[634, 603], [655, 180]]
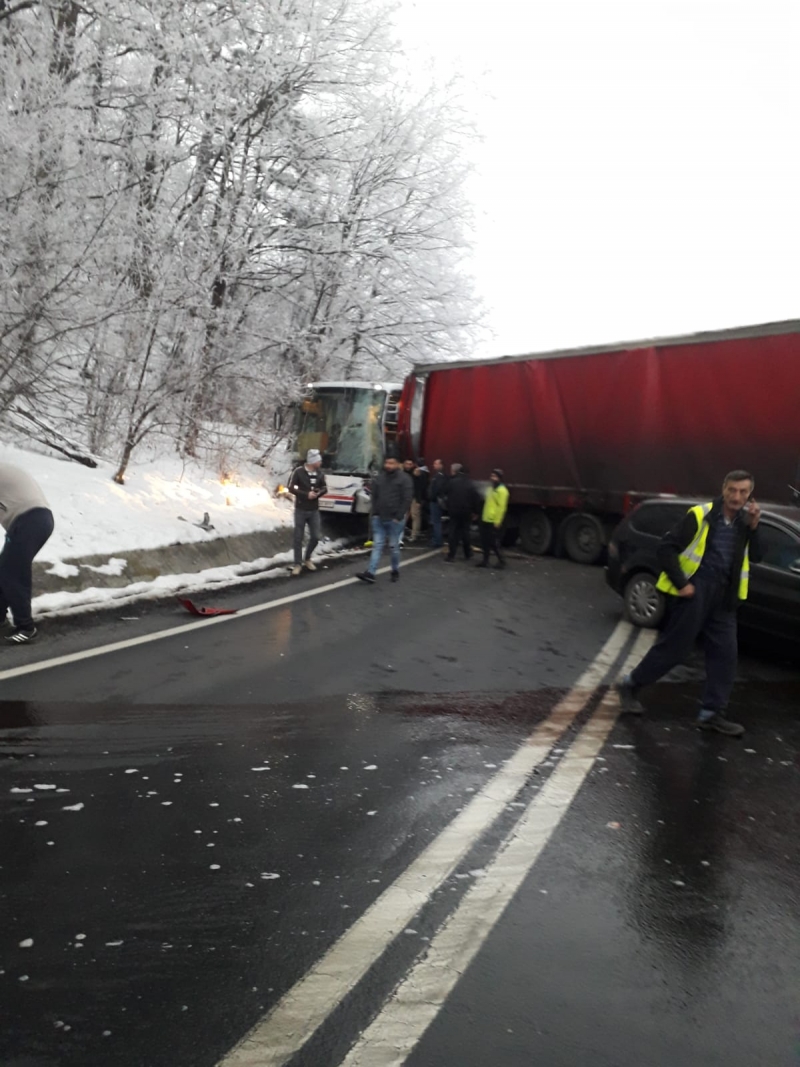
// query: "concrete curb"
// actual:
[[146, 564]]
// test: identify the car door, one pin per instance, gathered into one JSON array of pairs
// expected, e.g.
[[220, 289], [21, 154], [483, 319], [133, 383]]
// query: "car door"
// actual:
[[774, 601]]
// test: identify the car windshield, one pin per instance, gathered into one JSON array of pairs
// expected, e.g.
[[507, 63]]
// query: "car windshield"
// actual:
[[345, 425]]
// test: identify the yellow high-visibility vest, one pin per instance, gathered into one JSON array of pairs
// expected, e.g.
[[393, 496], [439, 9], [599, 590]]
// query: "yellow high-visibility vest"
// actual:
[[496, 505], [692, 556]]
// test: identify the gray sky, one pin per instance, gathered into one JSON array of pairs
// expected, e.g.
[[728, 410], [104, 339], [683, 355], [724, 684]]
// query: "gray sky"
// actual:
[[640, 169]]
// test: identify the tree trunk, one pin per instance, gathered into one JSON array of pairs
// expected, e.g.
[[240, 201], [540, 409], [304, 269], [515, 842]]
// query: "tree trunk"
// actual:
[[119, 477], [202, 394]]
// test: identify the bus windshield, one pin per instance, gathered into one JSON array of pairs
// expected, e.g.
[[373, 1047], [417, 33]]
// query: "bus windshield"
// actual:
[[346, 426]]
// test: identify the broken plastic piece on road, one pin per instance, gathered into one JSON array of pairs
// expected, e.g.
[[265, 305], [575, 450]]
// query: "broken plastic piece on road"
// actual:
[[204, 612]]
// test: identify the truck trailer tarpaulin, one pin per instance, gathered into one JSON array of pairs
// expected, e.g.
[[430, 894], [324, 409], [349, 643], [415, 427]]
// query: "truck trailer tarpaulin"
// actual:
[[587, 431]]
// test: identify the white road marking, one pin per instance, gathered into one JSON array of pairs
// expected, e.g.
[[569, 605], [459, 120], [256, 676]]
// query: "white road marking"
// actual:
[[300, 1012], [416, 1002], [192, 627]]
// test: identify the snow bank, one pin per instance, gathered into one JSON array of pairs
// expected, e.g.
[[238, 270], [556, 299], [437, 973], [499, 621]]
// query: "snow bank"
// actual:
[[49, 605]]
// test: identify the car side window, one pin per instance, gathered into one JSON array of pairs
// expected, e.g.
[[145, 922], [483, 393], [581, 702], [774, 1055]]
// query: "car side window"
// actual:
[[781, 549], [657, 519]]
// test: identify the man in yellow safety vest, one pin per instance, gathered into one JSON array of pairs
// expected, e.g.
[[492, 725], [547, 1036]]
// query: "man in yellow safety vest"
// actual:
[[494, 511], [706, 569]]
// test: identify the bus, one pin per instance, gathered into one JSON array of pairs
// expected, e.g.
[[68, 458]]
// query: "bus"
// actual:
[[351, 424]]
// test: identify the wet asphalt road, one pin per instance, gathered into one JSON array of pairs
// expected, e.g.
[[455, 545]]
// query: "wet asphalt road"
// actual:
[[223, 804]]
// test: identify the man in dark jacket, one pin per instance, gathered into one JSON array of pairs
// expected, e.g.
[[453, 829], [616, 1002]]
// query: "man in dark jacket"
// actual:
[[436, 491], [463, 501], [706, 570], [392, 493], [421, 480], [307, 485]]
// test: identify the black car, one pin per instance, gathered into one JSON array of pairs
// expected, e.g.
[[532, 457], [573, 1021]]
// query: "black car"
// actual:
[[773, 604]]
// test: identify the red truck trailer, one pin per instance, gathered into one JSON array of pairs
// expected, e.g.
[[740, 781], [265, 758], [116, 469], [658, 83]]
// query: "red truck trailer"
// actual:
[[584, 434]]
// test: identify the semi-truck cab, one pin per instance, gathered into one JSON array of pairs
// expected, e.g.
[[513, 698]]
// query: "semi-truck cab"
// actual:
[[351, 424]]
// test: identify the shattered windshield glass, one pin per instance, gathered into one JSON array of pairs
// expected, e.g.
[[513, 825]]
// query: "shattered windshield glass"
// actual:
[[345, 425]]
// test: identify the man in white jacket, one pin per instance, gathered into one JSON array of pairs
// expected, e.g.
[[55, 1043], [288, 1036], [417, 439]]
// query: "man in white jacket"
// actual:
[[28, 521]]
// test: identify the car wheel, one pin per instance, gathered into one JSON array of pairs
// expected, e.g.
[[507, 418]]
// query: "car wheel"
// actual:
[[644, 604]]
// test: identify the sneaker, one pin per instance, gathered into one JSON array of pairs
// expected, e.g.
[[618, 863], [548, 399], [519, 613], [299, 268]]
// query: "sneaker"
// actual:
[[628, 701], [449, 559], [22, 637], [718, 723], [309, 565], [296, 570], [395, 576], [482, 563], [366, 576]]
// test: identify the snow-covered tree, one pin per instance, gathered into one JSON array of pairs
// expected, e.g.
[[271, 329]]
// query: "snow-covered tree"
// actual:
[[207, 202]]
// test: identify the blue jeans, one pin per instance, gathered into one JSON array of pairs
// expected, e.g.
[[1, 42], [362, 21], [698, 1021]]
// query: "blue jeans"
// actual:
[[436, 523], [383, 531]]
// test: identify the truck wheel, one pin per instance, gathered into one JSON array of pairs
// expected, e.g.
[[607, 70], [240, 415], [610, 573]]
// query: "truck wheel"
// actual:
[[510, 537], [644, 604], [584, 539], [536, 532]]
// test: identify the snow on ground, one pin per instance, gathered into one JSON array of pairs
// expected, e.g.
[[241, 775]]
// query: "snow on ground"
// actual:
[[159, 505], [93, 515]]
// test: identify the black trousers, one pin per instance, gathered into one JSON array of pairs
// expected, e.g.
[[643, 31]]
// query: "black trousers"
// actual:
[[704, 613], [490, 541], [26, 537], [458, 533]]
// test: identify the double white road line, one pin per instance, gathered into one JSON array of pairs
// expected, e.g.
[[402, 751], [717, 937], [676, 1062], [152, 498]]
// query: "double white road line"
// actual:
[[415, 1003]]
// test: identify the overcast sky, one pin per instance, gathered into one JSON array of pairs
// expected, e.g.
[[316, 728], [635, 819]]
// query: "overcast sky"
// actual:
[[640, 169]]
